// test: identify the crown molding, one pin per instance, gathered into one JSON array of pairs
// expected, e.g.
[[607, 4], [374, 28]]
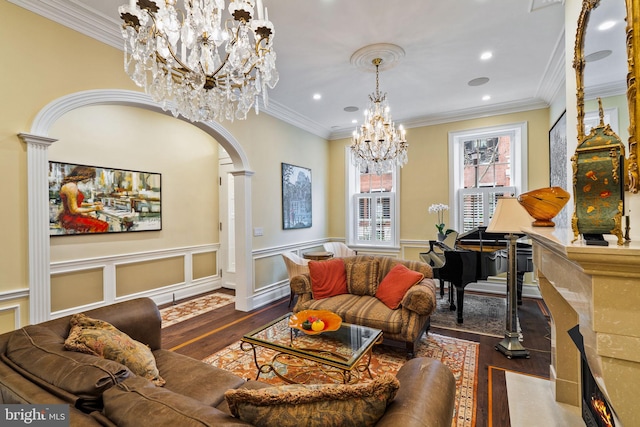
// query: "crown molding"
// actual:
[[554, 77], [286, 114], [459, 115], [606, 90], [77, 16]]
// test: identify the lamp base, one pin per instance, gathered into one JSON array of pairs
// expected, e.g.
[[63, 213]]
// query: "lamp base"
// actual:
[[510, 346]]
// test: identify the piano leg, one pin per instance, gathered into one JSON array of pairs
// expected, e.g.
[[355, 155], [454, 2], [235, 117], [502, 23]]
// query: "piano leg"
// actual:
[[452, 303], [460, 301]]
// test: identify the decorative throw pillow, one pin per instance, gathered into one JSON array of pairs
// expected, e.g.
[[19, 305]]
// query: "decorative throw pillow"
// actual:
[[395, 284], [315, 405], [100, 338], [362, 277], [328, 278]]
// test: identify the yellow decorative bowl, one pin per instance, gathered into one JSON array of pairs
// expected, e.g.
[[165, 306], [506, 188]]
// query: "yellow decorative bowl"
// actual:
[[331, 320], [544, 204]]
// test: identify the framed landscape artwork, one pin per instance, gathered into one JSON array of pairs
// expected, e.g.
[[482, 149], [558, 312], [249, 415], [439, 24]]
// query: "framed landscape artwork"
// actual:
[[558, 164], [93, 200], [296, 197]]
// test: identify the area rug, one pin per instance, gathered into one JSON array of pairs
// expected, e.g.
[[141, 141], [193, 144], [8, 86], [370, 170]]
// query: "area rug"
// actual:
[[483, 314], [195, 307], [460, 356]]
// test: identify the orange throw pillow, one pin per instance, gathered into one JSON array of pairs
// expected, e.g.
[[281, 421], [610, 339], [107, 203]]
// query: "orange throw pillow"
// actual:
[[395, 284], [328, 278]]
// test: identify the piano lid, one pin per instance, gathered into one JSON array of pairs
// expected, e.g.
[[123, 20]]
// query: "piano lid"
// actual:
[[478, 235], [479, 239]]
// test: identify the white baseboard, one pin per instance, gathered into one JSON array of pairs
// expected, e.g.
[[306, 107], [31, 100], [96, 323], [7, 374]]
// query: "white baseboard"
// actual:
[[270, 295]]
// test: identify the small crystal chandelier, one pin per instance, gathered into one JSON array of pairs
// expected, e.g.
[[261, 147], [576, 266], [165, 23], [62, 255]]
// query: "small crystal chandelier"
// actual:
[[378, 144], [195, 60]]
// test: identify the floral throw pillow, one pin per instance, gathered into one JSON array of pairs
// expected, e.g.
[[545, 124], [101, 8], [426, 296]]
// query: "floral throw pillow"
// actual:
[[100, 338], [315, 405]]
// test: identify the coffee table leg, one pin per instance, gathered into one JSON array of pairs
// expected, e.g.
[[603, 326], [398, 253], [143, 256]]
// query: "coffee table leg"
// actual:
[[262, 369]]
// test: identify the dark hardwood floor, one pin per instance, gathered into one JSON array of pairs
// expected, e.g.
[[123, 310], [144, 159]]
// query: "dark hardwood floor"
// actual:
[[203, 335]]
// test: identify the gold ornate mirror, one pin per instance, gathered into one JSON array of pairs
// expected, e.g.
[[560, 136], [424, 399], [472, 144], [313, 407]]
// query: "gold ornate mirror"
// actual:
[[605, 63], [633, 49], [601, 172]]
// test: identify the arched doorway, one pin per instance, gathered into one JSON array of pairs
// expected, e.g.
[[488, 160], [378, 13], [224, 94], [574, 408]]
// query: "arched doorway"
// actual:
[[38, 142]]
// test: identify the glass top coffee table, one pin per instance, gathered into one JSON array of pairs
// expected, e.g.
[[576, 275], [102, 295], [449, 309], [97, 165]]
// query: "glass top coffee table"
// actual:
[[342, 355]]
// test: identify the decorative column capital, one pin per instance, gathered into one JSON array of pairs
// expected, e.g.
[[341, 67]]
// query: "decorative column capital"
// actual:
[[42, 141]]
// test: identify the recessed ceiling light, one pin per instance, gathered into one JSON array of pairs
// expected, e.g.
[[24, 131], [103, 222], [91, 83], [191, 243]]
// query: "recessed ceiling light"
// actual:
[[479, 81], [486, 55], [486, 97], [351, 109], [354, 121], [317, 96], [606, 25]]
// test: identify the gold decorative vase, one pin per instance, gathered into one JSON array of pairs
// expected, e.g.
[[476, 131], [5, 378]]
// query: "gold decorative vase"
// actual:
[[544, 203]]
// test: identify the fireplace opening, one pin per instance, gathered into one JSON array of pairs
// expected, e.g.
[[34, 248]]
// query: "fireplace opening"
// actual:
[[596, 411]]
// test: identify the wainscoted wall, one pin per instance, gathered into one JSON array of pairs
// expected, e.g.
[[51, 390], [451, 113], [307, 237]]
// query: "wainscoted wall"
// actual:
[[271, 281], [162, 275], [10, 317], [178, 273]]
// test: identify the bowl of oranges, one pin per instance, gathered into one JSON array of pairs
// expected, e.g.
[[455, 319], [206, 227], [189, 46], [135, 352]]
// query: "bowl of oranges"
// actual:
[[315, 322]]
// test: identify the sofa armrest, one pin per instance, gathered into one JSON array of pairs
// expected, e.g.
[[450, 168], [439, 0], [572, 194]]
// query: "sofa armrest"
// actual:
[[421, 298], [301, 284], [426, 396], [139, 318]]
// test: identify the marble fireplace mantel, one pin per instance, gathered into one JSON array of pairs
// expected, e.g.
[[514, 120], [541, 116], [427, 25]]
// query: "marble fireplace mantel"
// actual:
[[597, 288]]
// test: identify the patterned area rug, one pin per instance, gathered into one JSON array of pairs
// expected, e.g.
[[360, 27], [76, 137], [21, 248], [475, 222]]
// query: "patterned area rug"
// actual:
[[483, 314], [459, 355], [195, 307]]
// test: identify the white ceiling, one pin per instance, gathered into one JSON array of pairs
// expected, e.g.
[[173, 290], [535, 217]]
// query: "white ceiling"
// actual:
[[442, 40]]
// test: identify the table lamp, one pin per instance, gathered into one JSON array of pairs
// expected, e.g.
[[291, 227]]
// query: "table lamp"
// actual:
[[510, 218]]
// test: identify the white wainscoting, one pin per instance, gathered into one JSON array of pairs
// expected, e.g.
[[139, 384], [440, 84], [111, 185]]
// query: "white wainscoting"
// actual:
[[267, 291], [188, 287]]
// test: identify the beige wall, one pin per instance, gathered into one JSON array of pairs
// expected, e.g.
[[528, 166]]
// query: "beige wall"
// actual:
[[425, 178], [130, 138], [268, 143]]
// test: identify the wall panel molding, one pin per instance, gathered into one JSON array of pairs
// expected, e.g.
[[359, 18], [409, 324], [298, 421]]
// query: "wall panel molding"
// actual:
[[186, 288], [16, 314]]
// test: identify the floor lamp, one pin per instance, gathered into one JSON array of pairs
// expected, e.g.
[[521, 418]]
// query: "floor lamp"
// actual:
[[510, 218]]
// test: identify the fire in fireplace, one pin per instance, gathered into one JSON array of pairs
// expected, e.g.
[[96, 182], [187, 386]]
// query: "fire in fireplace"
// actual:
[[596, 411]]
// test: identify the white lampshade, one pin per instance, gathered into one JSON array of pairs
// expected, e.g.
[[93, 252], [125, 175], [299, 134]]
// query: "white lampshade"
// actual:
[[509, 217]]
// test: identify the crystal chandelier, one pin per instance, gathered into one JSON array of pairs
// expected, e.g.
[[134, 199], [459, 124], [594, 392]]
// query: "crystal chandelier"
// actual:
[[378, 144], [197, 61]]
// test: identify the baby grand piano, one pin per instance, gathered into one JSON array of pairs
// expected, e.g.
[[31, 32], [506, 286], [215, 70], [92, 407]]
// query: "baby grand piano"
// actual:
[[478, 255]]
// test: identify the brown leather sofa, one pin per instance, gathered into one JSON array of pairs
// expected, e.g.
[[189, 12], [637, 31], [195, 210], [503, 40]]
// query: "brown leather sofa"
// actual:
[[194, 391], [406, 323]]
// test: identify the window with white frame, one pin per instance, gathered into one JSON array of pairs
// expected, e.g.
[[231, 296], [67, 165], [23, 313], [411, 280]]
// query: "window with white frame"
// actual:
[[486, 164], [372, 211]]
